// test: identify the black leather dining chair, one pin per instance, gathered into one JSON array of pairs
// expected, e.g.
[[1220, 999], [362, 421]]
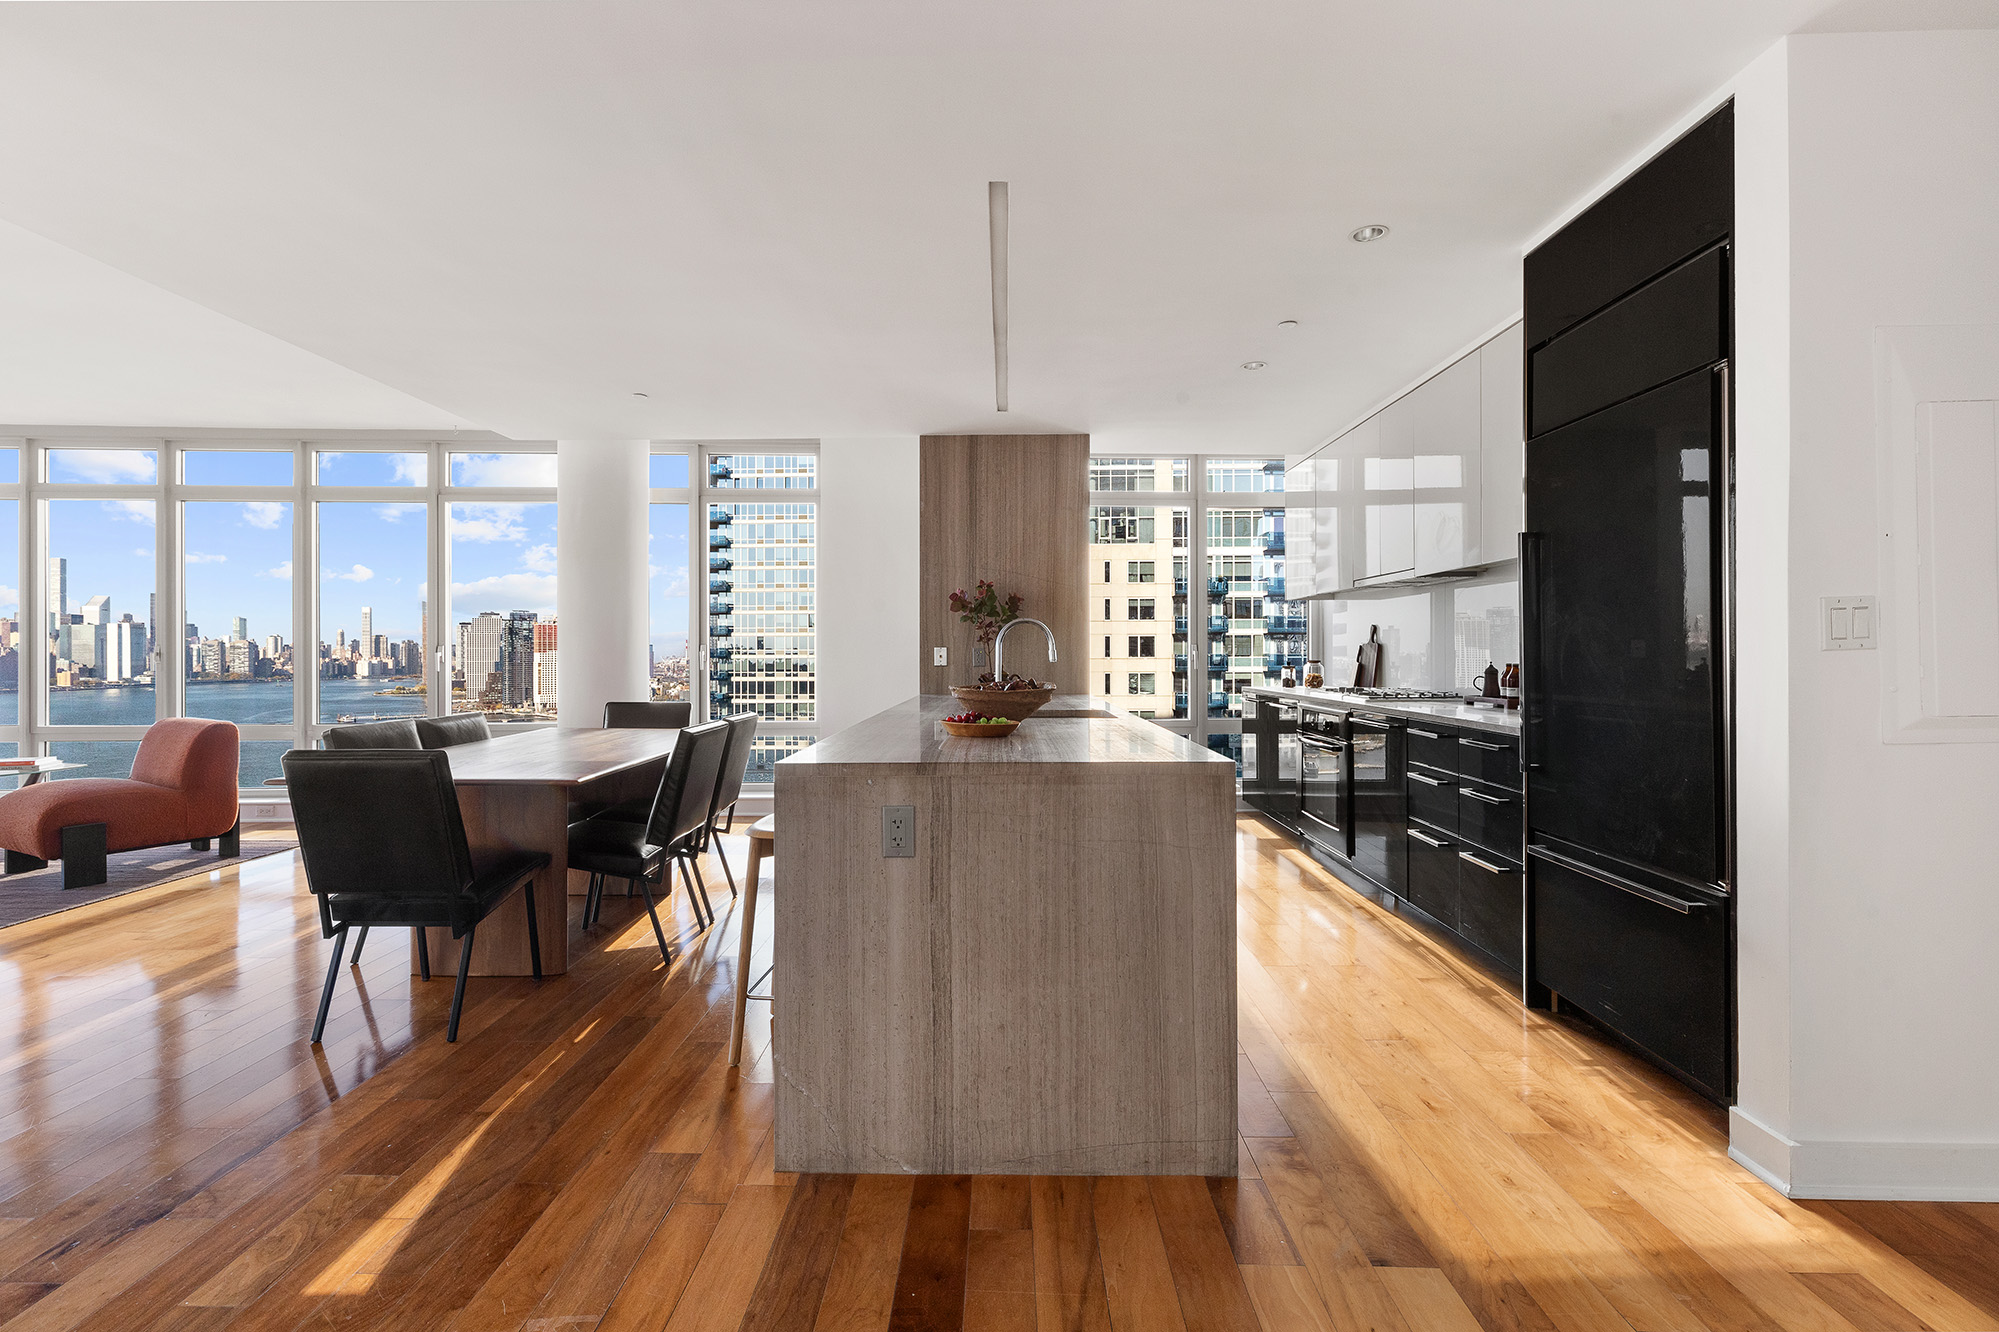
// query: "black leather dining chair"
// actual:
[[397, 733], [648, 716], [728, 790], [610, 847], [384, 844], [461, 729]]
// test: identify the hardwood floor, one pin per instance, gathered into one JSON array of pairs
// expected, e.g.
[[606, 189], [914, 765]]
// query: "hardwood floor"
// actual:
[[1417, 1154]]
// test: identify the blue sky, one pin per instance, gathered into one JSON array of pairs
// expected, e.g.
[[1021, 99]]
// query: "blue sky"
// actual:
[[239, 555]]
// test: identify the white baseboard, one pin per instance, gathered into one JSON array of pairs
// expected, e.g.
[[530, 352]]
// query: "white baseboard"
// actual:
[[1865, 1171]]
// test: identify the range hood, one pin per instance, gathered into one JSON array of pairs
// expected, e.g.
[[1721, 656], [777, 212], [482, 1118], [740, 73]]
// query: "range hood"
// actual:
[[1410, 582]]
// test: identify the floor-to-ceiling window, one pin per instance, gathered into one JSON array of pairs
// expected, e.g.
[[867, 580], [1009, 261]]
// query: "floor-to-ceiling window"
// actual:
[[672, 584], [283, 585], [1186, 581]]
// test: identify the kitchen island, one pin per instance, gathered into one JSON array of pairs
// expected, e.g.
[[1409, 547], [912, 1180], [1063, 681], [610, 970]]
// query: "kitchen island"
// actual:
[[1046, 984]]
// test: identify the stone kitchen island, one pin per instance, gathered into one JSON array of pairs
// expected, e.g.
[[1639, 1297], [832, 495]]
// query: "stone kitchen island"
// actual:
[[1047, 985]]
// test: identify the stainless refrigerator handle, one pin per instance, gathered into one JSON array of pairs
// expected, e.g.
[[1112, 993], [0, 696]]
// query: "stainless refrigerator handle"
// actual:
[[1685, 906], [1723, 501], [1530, 640]]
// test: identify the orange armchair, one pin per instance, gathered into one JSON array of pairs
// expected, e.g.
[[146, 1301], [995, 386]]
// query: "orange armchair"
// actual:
[[182, 789]]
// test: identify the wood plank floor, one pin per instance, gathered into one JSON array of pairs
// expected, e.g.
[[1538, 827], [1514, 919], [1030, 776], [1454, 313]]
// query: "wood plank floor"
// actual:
[[1417, 1153]]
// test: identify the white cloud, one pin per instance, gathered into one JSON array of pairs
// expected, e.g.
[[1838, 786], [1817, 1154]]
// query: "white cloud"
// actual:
[[196, 557], [505, 592], [131, 510], [111, 467], [488, 522], [283, 571], [539, 559], [142, 552], [410, 468], [395, 513], [676, 586], [360, 573], [266, 514], [503, 469]]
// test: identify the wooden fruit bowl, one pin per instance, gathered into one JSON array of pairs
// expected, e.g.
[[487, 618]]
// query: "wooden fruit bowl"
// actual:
[[977, 730], [1019, 704]]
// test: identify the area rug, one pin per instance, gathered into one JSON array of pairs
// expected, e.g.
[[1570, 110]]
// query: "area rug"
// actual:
[[38, 893]]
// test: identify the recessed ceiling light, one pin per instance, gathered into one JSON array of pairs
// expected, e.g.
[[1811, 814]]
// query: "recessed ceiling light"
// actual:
[[1287, 323], [1371, 232], [638, 395], [1252, 365]]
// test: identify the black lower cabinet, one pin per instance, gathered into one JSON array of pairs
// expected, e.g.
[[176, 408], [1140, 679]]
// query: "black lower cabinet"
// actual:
[[1657, 976], [1433, 874], [1489, 905]]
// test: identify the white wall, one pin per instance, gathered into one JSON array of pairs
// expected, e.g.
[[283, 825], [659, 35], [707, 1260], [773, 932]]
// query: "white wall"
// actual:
[[869, 524], [1870, 902], [601, 570]]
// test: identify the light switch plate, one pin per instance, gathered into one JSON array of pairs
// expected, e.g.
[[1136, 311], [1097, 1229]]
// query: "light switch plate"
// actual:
[[1846, 624], [937, 656], [898, 831]]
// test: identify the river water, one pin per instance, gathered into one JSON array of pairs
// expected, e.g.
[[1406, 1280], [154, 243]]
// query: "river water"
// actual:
[[241, 701]]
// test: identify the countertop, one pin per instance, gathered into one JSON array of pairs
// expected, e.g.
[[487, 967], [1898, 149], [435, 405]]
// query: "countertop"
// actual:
[[1481, 719], [910, 732]]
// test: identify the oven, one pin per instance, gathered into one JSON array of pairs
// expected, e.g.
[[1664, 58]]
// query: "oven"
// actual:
[[1323, 777], [1377, 799]]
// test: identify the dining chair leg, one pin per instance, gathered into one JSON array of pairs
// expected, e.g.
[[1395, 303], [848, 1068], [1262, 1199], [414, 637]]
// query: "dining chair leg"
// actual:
[[645, 887], [360, 942], [458, 991], [590, 901], [534, 932], [423, 952], [326, 994], [702, 884], [722, 855], [687, 882]]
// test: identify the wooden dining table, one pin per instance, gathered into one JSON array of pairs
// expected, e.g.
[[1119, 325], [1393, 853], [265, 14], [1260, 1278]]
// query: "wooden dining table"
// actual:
[[520, 792]]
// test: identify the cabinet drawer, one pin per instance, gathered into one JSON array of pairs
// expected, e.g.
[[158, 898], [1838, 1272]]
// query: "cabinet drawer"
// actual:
[[1490, 758], [1490, 818], [1434, 799], [1433, 746], [1489, 904], [1433, 873]]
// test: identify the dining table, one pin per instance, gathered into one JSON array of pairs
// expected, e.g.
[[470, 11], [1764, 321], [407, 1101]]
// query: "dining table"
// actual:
[[520, 792]]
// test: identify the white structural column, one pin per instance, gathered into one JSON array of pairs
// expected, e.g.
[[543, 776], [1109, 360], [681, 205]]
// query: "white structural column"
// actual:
[[600, 593]]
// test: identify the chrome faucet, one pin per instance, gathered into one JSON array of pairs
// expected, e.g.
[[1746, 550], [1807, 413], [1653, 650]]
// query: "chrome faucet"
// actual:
[[1000, 638]]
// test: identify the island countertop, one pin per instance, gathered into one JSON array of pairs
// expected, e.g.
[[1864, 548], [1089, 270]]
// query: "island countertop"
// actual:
[[1072, 728]]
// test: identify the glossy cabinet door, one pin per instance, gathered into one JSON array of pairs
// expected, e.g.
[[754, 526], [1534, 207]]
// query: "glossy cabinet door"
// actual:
[[1332, 561], [1445, 468], [1301, 521], [1502, 454], [1387, 482]]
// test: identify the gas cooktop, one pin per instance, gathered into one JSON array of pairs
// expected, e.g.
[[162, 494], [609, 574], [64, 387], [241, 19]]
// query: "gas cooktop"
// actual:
[[1402, 695]]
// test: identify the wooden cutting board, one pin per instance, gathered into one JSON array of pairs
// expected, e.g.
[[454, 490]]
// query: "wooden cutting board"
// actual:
[[1367, 662]]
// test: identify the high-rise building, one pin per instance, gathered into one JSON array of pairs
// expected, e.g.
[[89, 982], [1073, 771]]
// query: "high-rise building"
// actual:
[[479, 656], [273, 646], [544, 666], [59, 608], [242, 659], [128, 650], [208, 656], [422, 666], [762, 592], [368, 631], [90, 638], [517, 660], [378, 647], [152, 630], [239, 629]]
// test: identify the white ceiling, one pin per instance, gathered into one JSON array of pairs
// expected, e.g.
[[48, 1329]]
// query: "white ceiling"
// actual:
[[770, 215]]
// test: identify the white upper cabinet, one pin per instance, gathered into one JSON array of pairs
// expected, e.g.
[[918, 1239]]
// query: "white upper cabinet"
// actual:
[[1445, 468], [1301, 519], [1387, 482], [1502, 451], [1332, 563]]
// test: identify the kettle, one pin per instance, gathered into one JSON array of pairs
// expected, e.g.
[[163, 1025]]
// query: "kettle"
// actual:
[[1489, 682]]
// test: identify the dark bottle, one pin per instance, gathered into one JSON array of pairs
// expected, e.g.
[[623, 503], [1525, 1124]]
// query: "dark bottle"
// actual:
[[1509, 684]]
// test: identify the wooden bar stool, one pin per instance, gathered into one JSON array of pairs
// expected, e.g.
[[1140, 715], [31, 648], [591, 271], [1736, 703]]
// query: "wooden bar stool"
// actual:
[[763, 842]]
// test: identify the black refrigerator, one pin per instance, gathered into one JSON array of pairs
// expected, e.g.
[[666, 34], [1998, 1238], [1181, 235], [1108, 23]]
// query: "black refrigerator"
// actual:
[[1626, 615]]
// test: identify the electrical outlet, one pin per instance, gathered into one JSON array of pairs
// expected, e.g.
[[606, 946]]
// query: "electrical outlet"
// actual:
[[898, 830], [936, 656]]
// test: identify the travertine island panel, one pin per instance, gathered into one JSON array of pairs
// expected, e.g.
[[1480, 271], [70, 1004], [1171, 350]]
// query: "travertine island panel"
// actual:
[[1048, 986]]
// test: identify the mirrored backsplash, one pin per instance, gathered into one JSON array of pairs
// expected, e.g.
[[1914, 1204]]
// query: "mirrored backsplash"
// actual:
[[1432, 638]]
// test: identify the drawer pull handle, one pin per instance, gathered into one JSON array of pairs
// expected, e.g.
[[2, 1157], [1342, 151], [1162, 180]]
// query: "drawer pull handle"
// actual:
[[1685, 906], [1485, 865], [1482, 796], [1428, 840], [1427, 735], [1480, 744], [1427, 781]]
